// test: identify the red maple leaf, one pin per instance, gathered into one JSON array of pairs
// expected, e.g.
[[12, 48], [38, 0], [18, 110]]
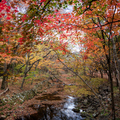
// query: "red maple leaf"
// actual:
[[42, 0], [24, 17], [8, 18]]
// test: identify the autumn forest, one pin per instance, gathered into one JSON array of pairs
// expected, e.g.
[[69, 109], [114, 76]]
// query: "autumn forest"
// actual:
[[59, 59]]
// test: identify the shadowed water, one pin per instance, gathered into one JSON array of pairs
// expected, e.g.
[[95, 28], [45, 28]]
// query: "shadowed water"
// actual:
[[48, 97], [49, 112]]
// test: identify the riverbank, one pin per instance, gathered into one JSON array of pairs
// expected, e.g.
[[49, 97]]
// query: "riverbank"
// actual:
[[54, 94]]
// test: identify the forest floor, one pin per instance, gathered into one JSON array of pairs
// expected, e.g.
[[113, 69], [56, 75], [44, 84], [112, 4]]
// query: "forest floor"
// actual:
[[68, 86], [11, 112]]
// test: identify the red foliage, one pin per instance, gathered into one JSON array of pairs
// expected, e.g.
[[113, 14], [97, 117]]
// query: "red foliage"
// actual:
[[21, 40], [118, 4], [42, 0], [8, 18], [85, 57], [24, 18]]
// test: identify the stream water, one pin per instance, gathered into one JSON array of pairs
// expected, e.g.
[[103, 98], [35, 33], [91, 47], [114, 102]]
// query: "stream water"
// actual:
[[49, 112], [68, 110]]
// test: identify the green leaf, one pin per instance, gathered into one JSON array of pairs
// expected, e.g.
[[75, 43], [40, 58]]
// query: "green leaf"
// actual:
[[70, 2], [65, 2], [75, 7], [75, 1]]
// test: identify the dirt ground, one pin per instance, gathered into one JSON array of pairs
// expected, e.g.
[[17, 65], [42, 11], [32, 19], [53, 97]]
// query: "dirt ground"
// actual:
[[17, 110]]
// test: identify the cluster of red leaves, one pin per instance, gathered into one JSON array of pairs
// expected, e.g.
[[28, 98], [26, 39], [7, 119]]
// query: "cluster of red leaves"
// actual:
[[62, 47], [21, 40], [38, 22], [3, 7], [85, 57], [24, 17], [5, 10], [42, 0]]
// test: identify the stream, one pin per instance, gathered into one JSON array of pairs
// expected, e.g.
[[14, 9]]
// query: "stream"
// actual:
[[49, 112], [68, 110]]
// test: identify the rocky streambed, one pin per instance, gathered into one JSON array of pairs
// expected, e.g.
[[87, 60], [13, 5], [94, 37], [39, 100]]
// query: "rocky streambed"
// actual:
[[91, 107], [50, 112], [68, 108], [73, 108]]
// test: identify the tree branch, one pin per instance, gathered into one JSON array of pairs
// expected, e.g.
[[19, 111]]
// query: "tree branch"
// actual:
[[99, 97]]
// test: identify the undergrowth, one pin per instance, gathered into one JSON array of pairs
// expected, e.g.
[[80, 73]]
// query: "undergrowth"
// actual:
[[79, 88]]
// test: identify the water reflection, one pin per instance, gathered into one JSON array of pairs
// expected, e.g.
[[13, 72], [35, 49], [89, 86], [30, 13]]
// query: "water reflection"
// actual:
[[49, 112], [68, 109], [48, 97]]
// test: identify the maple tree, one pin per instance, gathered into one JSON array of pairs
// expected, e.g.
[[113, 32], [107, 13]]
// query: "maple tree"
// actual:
[[98, 20], [37, 59], [7, 45], [22, 38], [19, 31]]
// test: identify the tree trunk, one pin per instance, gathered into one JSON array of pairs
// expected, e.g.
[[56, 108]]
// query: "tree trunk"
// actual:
[[118, 61], [4, 83], [116, 66], [91, 73], [84, 70], [25, 72], [112, 96], [111, 86], [117, 83], [101, 73], [13, 66], [23, 80]]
